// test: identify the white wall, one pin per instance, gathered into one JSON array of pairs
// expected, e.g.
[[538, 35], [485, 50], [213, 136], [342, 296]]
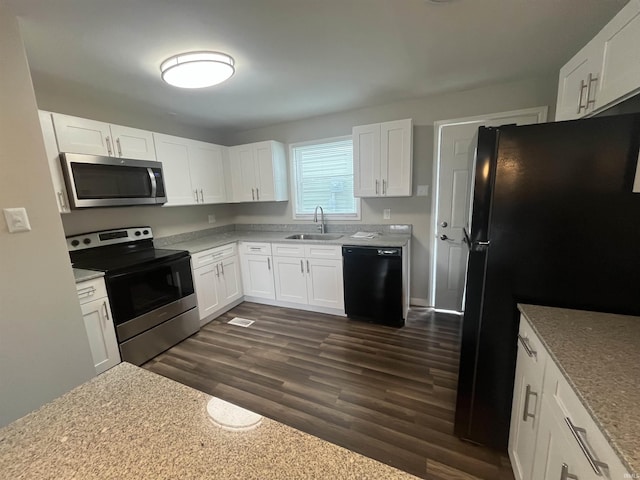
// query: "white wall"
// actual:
[[44, 350], [424, 111]]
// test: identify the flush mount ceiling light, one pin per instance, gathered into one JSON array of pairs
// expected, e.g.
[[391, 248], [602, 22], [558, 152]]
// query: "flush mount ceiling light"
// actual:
[[197, 69]]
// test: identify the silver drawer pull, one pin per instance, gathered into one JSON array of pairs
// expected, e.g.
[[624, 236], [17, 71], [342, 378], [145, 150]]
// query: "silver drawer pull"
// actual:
[[565, 475], [596, 464], [255, 249], [527, 395], [527, 348], [86, 292]]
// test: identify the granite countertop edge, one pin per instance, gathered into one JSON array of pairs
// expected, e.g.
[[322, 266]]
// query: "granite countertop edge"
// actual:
[[82, 275], [530, 317], [218, 240]]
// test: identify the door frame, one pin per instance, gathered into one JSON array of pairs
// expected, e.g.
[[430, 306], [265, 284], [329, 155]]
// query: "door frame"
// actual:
[[437, 128]]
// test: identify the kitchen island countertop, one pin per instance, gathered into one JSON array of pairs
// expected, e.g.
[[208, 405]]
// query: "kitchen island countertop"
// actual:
[[131, 423], [599, 356]]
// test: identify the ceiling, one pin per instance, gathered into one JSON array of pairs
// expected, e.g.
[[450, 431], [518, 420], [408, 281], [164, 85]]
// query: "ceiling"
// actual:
[[298, 58]]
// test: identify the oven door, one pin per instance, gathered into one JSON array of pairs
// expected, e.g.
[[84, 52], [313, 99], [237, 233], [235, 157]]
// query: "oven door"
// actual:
[[144, 297]]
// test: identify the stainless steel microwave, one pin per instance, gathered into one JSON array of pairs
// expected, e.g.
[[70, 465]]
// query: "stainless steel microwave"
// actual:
[[97, 181]]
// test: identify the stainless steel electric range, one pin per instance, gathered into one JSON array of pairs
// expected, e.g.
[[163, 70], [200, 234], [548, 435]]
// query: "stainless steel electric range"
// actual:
[[150, 290]]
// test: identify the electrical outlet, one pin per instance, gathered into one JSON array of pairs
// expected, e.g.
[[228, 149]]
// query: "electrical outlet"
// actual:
[[386, 214], [17, 219], [423, 190], [212, 219]]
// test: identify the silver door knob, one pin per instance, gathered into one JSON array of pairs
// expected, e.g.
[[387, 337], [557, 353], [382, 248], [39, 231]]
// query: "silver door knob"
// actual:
[[444, 237], [444, 224]]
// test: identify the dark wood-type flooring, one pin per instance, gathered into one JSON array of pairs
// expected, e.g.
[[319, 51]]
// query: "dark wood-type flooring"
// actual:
[[383, 392]]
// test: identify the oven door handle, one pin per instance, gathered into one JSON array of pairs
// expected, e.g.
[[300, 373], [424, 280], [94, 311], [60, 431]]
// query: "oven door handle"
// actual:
[[149, 266], [176, 276]]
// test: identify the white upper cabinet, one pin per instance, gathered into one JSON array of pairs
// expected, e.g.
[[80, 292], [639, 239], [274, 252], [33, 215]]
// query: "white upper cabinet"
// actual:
[[193, 170], [605, 71], [258, 172], [81, 135], [53, 157], [383, 159]]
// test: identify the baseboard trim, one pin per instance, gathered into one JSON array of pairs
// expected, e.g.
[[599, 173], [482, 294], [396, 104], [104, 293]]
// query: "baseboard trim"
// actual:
[[217, 313], [419, 302], [298, 306]]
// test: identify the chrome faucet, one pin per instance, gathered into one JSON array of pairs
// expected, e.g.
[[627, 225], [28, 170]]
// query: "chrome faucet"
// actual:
[[315, 218]]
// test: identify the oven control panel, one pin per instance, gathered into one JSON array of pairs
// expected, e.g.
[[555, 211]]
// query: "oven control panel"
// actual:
[[108, 237]]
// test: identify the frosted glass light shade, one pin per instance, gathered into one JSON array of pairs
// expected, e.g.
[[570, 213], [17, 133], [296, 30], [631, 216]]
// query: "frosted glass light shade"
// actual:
[[197, 69]]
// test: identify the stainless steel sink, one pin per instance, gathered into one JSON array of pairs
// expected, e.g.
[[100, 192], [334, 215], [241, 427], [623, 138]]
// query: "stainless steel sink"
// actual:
[[314, 236]]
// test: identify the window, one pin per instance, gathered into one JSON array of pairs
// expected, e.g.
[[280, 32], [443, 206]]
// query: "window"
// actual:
[[323, 175]]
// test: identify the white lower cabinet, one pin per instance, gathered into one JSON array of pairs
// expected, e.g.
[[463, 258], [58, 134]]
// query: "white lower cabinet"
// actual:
[[257, 270], [309, 274], [98, 322], [217, 281], [545, 410]]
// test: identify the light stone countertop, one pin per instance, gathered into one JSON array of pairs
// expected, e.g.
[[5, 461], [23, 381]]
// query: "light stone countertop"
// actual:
[[82, 275], [212, 241], [598, 354], [131, 423]]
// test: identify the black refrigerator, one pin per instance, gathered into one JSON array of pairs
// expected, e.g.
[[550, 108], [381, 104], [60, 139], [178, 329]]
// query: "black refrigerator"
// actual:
[[554, 222]]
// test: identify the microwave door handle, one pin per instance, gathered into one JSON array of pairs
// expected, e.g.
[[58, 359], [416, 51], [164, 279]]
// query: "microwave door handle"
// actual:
[[154, 185]]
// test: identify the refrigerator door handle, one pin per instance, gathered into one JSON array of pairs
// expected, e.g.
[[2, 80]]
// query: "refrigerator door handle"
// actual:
[[480, 246]]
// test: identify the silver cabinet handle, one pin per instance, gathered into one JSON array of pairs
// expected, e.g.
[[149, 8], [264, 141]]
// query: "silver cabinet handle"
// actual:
[[119, 146], [591, 79], [384, 187], [86, 292], [63, 205], [195, 194], [377, 183], [565, 475], [596, 464], [201, 196], [269, 263], [217, 270], [583, 86], [525, 411], [255, 249], [301, 267], [527, 348], [253, 194], [307, 266], [106, 310], [257, 193], [222, 268], [108, 141]]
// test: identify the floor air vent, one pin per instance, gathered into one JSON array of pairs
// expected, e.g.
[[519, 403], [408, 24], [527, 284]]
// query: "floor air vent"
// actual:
[[240, 322]]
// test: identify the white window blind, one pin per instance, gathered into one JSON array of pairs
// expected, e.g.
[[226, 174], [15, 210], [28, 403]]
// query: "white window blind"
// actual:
[[324, 176]]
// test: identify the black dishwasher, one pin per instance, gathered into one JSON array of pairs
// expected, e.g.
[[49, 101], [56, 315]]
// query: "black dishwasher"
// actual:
[[373, 284]]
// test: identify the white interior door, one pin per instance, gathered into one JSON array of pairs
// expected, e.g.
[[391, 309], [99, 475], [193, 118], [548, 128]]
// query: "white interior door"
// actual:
[[455, 152]]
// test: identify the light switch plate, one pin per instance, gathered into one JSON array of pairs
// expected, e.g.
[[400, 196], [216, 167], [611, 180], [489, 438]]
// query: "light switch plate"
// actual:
[[212, 219], [423, 190], [386, 214], [17, 219]]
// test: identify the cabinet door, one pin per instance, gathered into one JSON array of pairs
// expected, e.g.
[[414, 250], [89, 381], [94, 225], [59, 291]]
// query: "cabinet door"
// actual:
[[205, 282], [324, 283], [133, 143], [366, 161], [620, 70], [173, 152], [396, 158], [53, 157], [557, 451], [230, 278], [573, 86], [243, 173], [290, 279], [265, 188], [525, 410], [257, 276], [205, 164], [101, 334], [80, 135]]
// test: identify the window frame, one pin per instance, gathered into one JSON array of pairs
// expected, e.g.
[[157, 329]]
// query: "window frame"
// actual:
[[294, 183]]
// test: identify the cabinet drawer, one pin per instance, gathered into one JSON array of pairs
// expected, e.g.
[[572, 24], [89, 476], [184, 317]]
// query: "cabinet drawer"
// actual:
[[255, 248], [535, 354], [323, 251], [287, 250], [213, 255], [91, 290], [567, 405]]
